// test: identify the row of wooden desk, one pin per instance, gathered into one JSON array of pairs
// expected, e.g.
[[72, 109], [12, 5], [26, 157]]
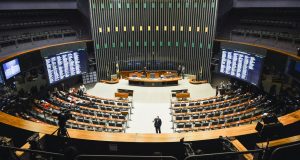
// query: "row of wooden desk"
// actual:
[[142, 138]]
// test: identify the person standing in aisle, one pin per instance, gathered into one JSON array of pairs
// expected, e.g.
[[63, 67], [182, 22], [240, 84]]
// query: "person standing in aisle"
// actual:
[[179, 70], [182, 71], [157, 124]]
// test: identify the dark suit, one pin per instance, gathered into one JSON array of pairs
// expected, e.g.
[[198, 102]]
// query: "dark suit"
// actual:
[[145, 72], [179, 69], [157, 124]]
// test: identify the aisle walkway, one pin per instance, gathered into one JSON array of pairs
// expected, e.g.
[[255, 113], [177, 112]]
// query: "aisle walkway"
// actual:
[[150, 102]]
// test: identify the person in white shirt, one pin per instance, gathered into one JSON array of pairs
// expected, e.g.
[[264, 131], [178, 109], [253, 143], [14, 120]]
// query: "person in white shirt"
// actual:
[[83, 89]]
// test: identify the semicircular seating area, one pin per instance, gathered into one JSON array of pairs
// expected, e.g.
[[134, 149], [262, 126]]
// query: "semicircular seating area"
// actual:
[[88, 112], [218, 112]]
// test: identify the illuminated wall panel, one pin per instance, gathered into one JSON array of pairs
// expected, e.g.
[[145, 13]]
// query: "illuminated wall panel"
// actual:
[[159, 34]]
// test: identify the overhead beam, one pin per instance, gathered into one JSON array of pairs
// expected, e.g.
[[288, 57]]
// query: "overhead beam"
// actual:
[[33, 5], [266, 4]]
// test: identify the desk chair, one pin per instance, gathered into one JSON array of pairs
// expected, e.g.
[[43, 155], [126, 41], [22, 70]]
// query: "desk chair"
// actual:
[[119, 124], [214, 122], [183, 104], [179, 118], [188, 125], [95, 121], [186, 118], [121, 117], [201, 116], [180, 125], [86, 121], [84, 112], [198, 124], [114, 116], [176, 105], [90, 128], [205, 124], [193, 110], [102, 123], [221, 121], [112, 124], [199, 109], [195, 116]]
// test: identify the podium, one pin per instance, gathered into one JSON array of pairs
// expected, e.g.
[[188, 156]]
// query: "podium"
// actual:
[[183, 96], [121, 95]]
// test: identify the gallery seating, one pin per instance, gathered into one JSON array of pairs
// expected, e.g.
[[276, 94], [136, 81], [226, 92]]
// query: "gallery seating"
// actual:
[[21, 27]]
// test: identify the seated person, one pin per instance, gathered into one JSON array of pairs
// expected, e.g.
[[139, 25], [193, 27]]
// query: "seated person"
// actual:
[[162, 76]]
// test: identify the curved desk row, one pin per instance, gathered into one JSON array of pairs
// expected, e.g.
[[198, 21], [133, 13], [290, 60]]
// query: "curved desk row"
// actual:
[[146, 138]]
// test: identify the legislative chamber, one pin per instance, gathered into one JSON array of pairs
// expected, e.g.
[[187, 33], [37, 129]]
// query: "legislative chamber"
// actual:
[[149, 79]]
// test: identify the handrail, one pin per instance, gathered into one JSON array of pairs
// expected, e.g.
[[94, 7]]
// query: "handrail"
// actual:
[[222, 154], [16, 122], [39, 48], [85, 156], [123, 156], [32, 151], [281, 148]]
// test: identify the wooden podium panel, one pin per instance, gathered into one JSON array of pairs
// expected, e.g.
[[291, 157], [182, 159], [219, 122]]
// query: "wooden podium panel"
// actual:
[[183, 95], [154, 82], [121, 95], [158, 73]]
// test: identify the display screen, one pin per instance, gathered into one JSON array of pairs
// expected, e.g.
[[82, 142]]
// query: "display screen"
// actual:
[[294, 69], [242, 65], [1, 77], [11, 68], [297, 66], [66, 64]]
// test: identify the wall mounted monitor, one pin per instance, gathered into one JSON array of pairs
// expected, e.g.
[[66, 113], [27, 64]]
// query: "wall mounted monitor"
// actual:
[[294, 69], [90, 77], [297, 67], [11, 68], [66, 64], [1, 77], [242, 65]]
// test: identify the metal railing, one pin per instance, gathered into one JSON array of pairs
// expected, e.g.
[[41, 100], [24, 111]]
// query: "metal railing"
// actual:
[[84, 157], [214, 155], [277, 151], [131, 157], [52, 154]]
